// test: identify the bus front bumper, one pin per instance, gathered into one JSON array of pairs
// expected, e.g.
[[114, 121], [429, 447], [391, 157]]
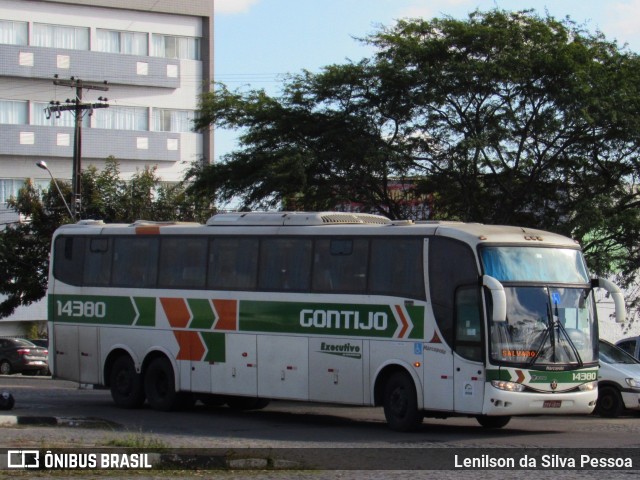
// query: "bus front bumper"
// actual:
[[501, 402]]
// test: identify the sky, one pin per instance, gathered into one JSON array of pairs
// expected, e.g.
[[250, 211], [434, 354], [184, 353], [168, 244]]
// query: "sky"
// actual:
[[257, 42]]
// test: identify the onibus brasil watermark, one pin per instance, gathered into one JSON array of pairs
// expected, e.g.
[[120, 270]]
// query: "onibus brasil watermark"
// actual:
[[34, 459]]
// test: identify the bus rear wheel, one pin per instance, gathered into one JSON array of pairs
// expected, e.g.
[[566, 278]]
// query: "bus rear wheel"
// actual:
[[401, 403], [160, 386], [126, 384]]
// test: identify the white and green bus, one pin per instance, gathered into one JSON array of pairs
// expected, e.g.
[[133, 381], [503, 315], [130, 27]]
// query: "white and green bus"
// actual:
[[431, 319]]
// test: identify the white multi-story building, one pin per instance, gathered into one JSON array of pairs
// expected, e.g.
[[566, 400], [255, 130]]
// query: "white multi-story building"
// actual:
[[155, 57]]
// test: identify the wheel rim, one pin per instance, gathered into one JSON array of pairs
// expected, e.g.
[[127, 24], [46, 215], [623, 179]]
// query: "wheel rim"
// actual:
[[5, 368], [398, 402], [607, 403], [161, 384], [123, 382]]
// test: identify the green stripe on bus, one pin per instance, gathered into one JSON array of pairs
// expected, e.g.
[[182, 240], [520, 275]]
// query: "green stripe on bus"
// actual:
[[147, 311], [106, 310], [380, 321], [216, 346], [339, 319], [202, 311], [529, 376]]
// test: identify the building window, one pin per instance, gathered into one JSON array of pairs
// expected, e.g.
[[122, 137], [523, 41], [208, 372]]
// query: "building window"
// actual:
[[129, 43], [173, 120], [61, 119], [122, 118], [13, 112], [167, 46], [9, 187], [13, 33], [60, 36]]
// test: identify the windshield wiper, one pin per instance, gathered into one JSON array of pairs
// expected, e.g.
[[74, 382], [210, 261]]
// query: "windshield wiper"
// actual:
[[571, 344], [550, 334], [547, 334]]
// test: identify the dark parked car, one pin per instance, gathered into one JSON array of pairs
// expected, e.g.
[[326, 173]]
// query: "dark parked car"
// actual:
[[21, 356]]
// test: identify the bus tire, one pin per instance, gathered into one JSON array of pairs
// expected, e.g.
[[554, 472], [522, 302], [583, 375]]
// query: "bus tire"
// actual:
[[160, 386], [493, 422], [126, 384], [609, 403], [401, 404]]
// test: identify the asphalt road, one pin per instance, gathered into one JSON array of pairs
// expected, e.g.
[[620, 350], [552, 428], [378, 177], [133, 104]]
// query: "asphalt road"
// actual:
[[59, 415]]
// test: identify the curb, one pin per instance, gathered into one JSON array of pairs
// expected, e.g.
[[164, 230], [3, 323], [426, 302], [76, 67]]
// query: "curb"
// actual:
[[14, 420], [8, 420]]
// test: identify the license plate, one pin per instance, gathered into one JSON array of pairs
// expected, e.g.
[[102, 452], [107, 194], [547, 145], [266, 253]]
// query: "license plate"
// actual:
[[552, 404]]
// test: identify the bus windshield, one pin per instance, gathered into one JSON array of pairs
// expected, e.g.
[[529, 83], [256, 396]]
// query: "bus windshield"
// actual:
[[535, 264], [546, 324]]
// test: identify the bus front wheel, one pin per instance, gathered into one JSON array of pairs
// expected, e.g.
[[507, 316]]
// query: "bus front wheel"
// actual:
[[125, 384], [401, 403], [160, 386], [493, 422]]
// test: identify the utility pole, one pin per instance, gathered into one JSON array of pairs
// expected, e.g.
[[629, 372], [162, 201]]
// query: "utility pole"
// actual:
[[78, 108]]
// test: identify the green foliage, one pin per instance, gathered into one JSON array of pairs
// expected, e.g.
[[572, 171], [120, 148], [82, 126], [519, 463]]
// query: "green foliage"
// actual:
[[25, 246], [503, 118]]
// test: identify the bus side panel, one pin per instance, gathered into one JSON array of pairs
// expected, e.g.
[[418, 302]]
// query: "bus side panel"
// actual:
[[66, 354], [438, 376], [336, 370], [238, 374], [283, 367]]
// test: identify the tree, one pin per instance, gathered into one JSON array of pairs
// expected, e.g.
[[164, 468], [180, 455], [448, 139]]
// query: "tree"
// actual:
[[25, 246], [504, 117]]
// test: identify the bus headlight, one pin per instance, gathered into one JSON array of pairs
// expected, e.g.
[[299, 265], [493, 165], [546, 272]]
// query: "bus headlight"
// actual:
[[588, 387], [508, 386], [633, 382]]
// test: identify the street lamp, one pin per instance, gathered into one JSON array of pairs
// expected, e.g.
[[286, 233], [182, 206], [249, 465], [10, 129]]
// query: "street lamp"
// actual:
[[43, 165]]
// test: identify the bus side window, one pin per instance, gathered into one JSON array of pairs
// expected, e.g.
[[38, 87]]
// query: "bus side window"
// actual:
[[97, 264], [285, 264], [340, 265], [233, 263], [183, 262], [69, 260], [468, 334], [452, 264], [396, 267], [135, 262]]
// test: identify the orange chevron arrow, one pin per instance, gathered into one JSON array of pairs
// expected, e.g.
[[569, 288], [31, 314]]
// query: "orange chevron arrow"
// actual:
[[177, 312], [403, 320], [191, 346], [227, 311]]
